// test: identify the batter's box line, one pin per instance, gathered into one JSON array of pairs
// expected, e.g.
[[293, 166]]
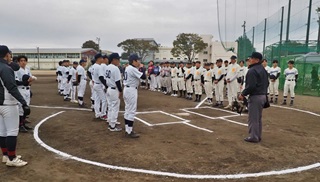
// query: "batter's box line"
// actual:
[[215, 118]]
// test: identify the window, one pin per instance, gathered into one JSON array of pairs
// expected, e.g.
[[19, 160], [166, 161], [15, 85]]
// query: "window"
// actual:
[[205, 60], [157, 58], [164, 58], [59, 55], [45, 55], [205, 52], [185, 58], [171, 58], [196, 58], [178, 58], [73, 55]]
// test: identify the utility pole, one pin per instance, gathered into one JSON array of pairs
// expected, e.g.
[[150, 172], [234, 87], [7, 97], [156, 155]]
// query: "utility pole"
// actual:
[[244, 28], [244, 37], [98, 40], [281, 29], [308, 26], [38, 52], [318, 41], [253, 38], [264, 36], [288, 21]]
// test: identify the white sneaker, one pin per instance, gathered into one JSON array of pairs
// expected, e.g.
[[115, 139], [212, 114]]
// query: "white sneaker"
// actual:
[[6, 158], [228, 107], [16, 162], [172, 95]]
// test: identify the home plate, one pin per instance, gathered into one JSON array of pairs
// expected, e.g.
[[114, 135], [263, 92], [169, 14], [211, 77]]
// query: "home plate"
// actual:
[[183, 114]]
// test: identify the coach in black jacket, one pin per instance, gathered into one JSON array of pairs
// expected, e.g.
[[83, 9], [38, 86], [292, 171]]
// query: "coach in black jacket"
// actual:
[[256, 88]]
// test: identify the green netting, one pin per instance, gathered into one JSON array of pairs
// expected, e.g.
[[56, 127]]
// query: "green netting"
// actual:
[[296, 47]]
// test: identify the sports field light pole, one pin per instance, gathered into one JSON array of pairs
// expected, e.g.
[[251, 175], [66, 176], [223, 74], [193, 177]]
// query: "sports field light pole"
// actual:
[[38, 52], [318, 41]]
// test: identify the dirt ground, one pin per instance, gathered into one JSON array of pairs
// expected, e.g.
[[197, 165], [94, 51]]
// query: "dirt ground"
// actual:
[[290, 139]]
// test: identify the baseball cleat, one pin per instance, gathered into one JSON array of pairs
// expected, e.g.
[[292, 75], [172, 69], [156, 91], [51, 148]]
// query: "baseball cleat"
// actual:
[[228, 107], [105, 117], [6, 158], [284, 103], [22, 129], [28, 127], [271, 101], [16, 162], [132, 135], [116, 129], [251, 140], [216, 105]]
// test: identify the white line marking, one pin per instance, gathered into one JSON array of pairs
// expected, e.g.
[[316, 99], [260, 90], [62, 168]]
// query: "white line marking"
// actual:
[[169, 123], [289, 108], [201, 102], [148, 112], [231, 112], [205, 116], [160, 173], [235, 122], [65, 108], [194, 126], [174, 116], [143, 121]]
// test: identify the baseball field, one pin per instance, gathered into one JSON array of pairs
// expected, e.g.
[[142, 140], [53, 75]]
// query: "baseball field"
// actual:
[[180, 141]]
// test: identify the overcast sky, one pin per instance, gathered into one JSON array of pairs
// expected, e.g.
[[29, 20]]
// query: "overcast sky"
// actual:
[[69, 23]]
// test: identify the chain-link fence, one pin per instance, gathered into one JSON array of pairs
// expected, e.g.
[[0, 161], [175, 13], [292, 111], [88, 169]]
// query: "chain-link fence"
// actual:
[[289, 34]]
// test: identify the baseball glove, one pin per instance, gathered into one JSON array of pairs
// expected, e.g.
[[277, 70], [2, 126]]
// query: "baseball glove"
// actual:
[[25, 80], [272, 77]]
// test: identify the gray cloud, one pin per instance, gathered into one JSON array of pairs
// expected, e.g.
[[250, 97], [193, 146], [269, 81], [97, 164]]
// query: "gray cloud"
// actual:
[[68, 23]]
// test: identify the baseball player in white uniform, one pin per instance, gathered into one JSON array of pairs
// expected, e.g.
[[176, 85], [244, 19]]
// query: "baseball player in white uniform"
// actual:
[[24, 80], [198, 73], [130, 93], [74, 83], [219, 73], [291, 75], [167, 78], [207, 82], [241, 74], [188, 77], [174, 79], [99, 86], [226, 64], [66, 85], [91, 83], [59, 74], [265, 65], [232, 83], [82, 81], [181, 82], [275, 72], [114, 91]]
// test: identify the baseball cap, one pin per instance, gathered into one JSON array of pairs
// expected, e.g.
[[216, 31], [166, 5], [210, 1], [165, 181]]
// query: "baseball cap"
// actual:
[[233, 57], [114, 56], [133, 57], [97, 56], [82, 61], [105, 56], [75, 62], [256, 55]]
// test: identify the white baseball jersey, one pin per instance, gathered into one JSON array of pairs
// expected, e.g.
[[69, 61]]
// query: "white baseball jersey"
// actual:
[[131, 77], [65, 72], [290, 73], [208, 74], [81, 71], [97, 71], [225, 69], [59, 69], [174, 72], [104, 68], [180, 72], [113, 75], [90, 69], [218, 72], [73, 73], [188, 71], [197, 73], [19, 74], [275, 71], [242, 71], [233, 71], [267, 69]]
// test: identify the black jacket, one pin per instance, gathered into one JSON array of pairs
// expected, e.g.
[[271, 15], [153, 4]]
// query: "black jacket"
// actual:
[[256, 81], [8, 87]]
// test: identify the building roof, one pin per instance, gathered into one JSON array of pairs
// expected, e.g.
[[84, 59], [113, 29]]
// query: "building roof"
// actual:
[[51, 50]]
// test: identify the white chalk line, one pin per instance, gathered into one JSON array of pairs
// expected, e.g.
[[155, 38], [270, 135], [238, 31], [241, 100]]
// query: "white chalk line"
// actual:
[[160, 173], [235, 122], [197, 127], [300, 110], [170, 123], [143, 121], [174, 116], [201, 102]]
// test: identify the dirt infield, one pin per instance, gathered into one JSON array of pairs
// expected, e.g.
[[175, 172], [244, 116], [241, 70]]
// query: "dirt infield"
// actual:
[[198, 141]]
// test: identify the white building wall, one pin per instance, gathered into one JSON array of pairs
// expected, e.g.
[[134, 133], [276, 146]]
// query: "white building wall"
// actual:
[[205, 55], [219, 52]]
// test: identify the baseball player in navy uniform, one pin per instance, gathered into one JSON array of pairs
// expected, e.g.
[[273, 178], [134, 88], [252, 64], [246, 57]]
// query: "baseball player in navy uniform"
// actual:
[[24, 80], [275, 72], [130, 93], [9, 112], [291, 75], [114, 91], [82, 81], [99, 86]]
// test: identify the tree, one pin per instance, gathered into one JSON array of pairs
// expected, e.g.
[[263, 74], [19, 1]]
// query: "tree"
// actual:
[[91, 44], [188, 45], [245, 47], [142, 47]]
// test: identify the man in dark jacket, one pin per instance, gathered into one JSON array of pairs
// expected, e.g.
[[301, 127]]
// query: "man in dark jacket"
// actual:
[[256, 88]]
